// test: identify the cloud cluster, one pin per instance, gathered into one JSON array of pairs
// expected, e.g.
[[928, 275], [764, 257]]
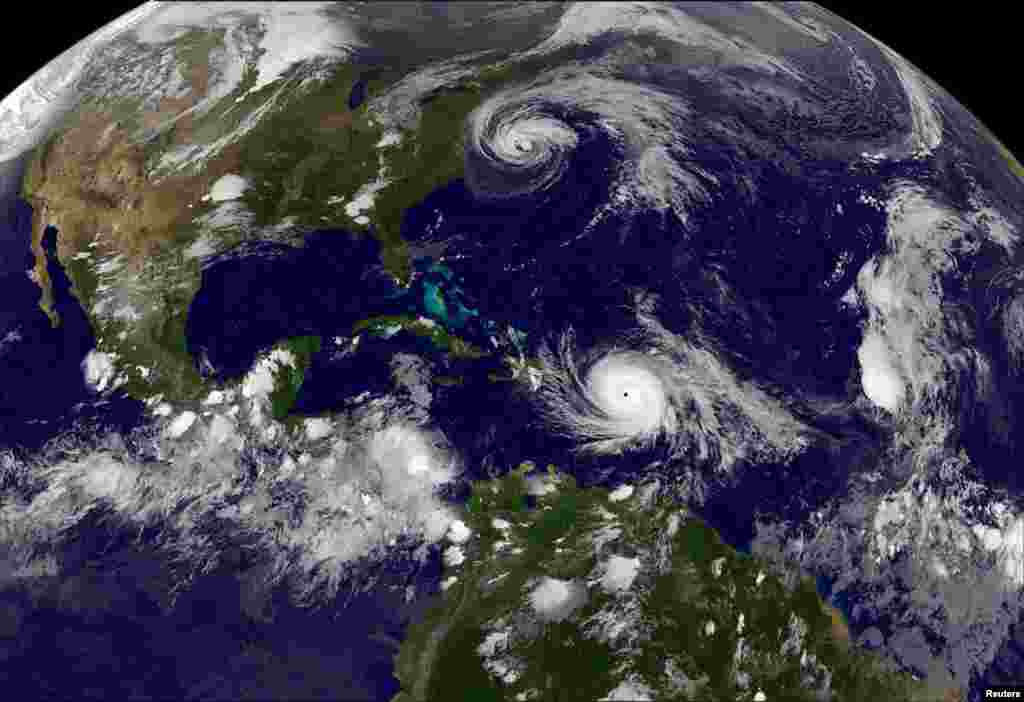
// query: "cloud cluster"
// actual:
[[917, 350], [311, 505]]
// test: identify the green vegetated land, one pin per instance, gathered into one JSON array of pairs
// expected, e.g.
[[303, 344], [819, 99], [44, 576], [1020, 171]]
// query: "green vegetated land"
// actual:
[[149, 344], [566, 660], [288, 378], [1011, 160], [305, 159], [308, 160], [157, 342], [386, 325]]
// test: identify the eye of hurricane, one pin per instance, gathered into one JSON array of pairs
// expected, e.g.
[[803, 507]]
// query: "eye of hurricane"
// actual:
[[519, 148], [611, 401], [528, 140], [525, 139], [628, 393]]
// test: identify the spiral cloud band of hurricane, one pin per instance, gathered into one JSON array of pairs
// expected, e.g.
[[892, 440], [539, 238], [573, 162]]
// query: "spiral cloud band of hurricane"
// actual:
[[623, 397], [652, 389], [521, 141]]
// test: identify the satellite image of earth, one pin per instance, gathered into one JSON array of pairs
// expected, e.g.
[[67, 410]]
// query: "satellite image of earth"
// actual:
[[506, 351]]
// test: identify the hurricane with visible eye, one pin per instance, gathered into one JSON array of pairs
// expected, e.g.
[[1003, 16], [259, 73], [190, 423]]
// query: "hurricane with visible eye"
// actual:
[[653, 391], [620, 398], [528, 145], [514, 140], [629, 393], [525, 141]]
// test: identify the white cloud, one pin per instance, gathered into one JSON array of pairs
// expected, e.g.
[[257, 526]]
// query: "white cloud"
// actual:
[[317, 428], [630, 690], [216, 397], [227, 187], [584, 21], [458, 532], [623, 492], [454, 556], [880, 377], [926, 130], [915, 345], [494, 642], [181, 424], [554, 599], [222, 429], [98, 369], [354, 499], [619, 573], [259, 382], [279, 26], [29, 112]]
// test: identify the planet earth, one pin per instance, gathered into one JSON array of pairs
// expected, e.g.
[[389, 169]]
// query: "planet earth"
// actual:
[[506, 351]]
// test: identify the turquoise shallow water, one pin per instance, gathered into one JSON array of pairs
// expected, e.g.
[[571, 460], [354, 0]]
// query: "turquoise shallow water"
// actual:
[[433, 301], [263, 292], [443, 298]]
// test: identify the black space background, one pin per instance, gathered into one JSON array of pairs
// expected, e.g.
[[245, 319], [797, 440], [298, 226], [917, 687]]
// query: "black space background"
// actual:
[[976, 56]]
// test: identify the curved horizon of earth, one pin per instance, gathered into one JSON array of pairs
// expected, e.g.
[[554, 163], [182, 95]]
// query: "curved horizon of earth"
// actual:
[[368, 350]]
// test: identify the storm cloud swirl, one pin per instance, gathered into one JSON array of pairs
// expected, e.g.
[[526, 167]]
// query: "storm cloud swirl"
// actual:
[[611, 399], [526, 145], [652, 390], [524, 141]]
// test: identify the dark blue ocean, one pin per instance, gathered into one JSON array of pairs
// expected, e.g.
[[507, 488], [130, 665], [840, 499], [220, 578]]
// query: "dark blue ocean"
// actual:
[[536, 264], [42, 387], [117, 637]]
